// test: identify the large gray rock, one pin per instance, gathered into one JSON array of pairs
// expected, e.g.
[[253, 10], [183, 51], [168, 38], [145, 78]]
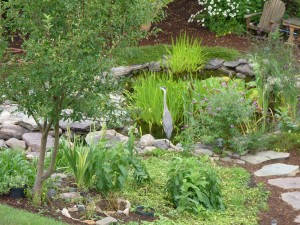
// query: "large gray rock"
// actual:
[[147, 140], [79, 126], [14, 143], [265, 156], [245, 69], [2, 144], [286, 183], [33, 140], [125, 70], [28, 123], [111, 136], [292, 198], [231, 160], [162, 144], [214, 64], [154, 66], [203, 151], [8, 131], [233, 64], [277, 169], [106, 221]]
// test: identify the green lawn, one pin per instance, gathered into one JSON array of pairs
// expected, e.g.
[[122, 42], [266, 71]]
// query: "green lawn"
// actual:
[[11, 216], [139, 55]]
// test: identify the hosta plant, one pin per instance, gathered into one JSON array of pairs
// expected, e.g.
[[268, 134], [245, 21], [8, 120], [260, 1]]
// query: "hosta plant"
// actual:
[[193, 185]]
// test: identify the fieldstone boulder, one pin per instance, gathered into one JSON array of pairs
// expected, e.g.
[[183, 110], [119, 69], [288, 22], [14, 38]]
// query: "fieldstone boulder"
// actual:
[[240, 75], [106, 221], [28, 123], [292, 198], [111, 136], [2, 144], [286, 183], [8, 131], [33, 140], [154, 66], [79, 126], [203, 151], [265, 156], [14, 143], [147, 140], [245, 69], [214, 64], [233, 64], [162, 144], [277, 169]]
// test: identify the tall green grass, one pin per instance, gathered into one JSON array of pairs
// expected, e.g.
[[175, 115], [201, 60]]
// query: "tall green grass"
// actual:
[[146, 101], [186, 55]]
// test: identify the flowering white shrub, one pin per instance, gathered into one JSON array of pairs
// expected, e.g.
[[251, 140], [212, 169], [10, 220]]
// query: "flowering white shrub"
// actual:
[[225, 13]]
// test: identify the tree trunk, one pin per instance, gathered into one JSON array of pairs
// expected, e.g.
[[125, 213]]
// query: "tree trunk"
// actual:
[[38, 184]]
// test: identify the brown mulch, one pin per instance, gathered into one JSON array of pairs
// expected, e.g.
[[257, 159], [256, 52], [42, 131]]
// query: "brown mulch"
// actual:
[[176, 21]]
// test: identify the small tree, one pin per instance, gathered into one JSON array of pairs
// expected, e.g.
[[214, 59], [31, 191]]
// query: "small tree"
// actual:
[[67, 47]]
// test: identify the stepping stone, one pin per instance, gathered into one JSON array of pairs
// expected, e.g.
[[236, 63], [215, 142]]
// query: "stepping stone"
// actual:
[[265, 156], [231, 160], [286, 183], [297, 219], [292, 198], [277, 169]]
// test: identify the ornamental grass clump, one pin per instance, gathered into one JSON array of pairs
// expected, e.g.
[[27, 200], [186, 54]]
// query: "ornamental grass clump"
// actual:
[[225, 16], [186, 55], [146, 101]]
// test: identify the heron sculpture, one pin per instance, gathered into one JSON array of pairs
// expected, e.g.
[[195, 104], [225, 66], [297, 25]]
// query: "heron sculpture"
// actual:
[[167, 118]]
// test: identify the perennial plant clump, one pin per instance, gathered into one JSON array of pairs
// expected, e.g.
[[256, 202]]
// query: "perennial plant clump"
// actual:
[[225, 16]]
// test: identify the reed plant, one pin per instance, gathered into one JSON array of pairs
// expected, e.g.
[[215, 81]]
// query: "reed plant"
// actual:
[[276, 70], [186, 55], [146, 101]]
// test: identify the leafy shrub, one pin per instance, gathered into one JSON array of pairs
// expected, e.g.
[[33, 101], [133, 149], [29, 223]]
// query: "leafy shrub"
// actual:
[[112, 166], [15, 170], [186, 55], [193, 185], [229, 15], [218, 108], [106, 168]]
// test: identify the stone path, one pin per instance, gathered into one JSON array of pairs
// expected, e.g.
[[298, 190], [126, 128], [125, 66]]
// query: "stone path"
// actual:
[[290, 185]]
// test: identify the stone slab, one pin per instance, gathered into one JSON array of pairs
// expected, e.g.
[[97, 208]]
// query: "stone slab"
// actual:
[[286, 183], [33, 140], [292, 198], [277, 169], [297, 219], [265, 156]]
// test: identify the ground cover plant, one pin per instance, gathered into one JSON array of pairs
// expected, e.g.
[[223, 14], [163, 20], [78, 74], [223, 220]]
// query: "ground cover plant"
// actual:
[[234, 186]]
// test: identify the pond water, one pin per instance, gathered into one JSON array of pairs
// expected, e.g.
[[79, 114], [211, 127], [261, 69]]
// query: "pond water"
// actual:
[[157, 130]]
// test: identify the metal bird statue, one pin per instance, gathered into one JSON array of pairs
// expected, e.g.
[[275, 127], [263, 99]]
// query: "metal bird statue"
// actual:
[[167, 118]]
